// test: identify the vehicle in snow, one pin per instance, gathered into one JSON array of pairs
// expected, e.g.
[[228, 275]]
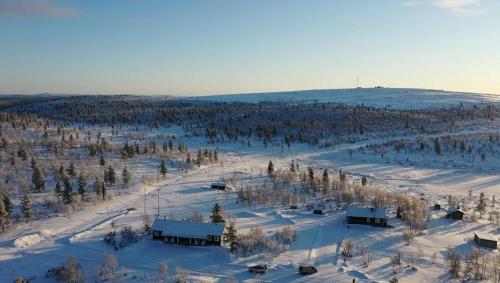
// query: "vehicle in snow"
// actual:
[[307, 269], [319, 212], [131, 208], [259, 268]]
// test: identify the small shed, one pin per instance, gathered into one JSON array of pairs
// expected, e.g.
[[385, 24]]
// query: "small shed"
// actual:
[[485, 240], [455, 213], [218, 186], [437, 206], [367, 216], [188, 233]]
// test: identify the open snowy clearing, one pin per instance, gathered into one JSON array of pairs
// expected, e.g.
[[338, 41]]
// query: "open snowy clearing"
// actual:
[[318, 237]]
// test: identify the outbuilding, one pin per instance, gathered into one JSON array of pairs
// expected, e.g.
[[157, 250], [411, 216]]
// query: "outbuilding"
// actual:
[[367, 216], [455, 213], [218, 186], [188, 233], [485, 240]]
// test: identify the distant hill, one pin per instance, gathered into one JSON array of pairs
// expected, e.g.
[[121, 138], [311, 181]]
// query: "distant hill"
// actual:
[[396, 98]]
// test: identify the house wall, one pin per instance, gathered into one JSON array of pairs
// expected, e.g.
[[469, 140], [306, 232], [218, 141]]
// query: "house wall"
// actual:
[[485, 243], [194, 241], [378, 222]]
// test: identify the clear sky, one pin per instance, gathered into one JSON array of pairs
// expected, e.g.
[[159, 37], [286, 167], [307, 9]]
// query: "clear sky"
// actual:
[[187, 47]]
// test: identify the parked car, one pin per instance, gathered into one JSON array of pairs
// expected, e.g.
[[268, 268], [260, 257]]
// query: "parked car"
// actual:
[[307, 269], [259, 268], [319, 212]]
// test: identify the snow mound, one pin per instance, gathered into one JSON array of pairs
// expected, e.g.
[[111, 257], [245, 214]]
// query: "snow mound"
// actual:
[[45, 233], [28, 240], [246, 214]]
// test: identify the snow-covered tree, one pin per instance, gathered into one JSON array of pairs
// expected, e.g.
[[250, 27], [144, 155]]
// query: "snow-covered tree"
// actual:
[[217, 215], [26, 207]]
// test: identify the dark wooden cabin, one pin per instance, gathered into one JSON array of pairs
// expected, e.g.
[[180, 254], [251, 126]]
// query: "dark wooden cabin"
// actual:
[[485, 240], [188, 233], [218, 186], [455, 213], [367, 216]]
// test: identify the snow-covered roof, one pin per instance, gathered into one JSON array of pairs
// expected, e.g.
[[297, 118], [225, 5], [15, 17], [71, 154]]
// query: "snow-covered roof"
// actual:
[[188, 229], [454, 209], [366, 212], [486, 236]]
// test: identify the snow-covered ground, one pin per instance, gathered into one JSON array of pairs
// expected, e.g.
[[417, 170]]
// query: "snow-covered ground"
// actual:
[[32, 248], [395, 98]]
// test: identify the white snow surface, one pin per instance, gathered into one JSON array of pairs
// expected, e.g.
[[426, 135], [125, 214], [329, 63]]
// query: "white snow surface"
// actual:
[[394, 98]]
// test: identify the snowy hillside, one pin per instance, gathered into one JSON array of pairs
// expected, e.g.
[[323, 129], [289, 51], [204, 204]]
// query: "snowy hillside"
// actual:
[[396, 98]]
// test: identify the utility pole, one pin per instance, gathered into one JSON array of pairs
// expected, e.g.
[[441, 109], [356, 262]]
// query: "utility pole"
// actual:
[[158, 190], [144, 188]]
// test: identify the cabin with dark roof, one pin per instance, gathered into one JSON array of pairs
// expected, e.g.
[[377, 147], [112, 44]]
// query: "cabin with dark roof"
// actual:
[[455, 213], [367, 216], [485, 240], [188, 233], [218, 186]]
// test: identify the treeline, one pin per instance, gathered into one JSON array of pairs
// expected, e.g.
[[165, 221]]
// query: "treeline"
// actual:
[[269, 122]]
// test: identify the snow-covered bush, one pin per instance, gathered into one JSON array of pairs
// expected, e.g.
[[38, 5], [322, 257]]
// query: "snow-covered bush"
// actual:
[[69, 272]]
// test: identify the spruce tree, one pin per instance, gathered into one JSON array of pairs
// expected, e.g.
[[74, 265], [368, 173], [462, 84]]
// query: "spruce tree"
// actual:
[[481, 206], [102, 161], [26, 206], [72, 169], [68, 190], [217, 214], [38, 179], [437, 146], [163, 168], [364, 181], [103, 190], [231, 237], [270, 168], [3, 216], [110, 176], [125, 176], [97, 187], [61, 171], [326, 178], [82, 186], [7, 202], [58, 191]]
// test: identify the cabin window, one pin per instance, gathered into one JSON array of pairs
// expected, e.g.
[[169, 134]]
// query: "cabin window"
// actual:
[[209, 238], [216, 239], [157, 233], [368, 220], [377, 221]]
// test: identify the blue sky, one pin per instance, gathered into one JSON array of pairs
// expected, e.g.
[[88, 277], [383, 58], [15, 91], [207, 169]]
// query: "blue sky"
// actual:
[[187, 47]]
